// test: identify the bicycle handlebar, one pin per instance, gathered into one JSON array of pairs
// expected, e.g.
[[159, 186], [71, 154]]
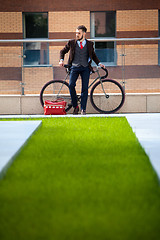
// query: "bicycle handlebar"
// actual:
[[104, 69]]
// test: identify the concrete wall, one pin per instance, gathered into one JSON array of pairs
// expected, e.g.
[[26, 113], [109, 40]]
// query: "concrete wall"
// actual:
[[30, 104]]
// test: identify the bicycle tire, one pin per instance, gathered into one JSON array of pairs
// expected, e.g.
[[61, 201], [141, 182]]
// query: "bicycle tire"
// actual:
[[112, 100], [55, 89]]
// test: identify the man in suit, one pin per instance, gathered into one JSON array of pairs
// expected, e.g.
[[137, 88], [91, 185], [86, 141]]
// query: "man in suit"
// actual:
[[80, 57]]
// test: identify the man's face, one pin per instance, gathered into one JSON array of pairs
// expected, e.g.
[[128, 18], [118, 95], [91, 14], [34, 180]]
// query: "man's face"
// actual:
[[80, 34]]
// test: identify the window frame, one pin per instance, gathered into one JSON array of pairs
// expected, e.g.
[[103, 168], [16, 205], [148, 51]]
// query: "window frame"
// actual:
[[92, 30], [24, 37]]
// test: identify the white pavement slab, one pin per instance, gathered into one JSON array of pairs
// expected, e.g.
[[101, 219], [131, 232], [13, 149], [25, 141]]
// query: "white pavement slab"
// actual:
[[147, 130], [13, 135]]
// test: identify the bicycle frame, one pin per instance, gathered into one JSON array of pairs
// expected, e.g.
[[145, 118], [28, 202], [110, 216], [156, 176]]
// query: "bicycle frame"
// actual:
[[63, 83], [95, 79], [99, 83], [99, 77]]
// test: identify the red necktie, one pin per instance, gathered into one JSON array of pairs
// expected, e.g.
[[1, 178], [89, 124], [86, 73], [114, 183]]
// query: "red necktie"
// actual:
[[81, 45]]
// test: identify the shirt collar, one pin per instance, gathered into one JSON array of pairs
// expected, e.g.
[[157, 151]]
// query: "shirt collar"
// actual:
[[83, 43]]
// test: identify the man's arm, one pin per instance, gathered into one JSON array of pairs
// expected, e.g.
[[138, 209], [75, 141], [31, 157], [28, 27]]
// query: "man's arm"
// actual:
[[95, 58], [63, 52]]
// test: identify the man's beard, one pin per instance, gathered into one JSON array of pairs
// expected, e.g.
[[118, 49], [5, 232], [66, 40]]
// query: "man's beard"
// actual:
[[80, 38]]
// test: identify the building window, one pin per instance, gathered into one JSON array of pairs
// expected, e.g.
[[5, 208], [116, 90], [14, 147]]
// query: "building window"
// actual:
[[103, 25], [35, 25]]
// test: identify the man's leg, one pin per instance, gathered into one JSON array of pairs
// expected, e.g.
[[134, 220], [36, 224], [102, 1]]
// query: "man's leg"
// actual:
[[85, 74], [72, 83]]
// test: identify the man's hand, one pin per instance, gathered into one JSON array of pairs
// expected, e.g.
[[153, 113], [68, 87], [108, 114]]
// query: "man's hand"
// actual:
[[101, 65], [61, 63]]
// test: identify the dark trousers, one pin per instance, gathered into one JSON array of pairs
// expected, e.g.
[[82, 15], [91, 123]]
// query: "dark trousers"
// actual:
[[84, 72]]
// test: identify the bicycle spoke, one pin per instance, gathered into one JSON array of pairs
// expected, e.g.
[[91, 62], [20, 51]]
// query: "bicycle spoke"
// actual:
[[107, 96], [54, 90]]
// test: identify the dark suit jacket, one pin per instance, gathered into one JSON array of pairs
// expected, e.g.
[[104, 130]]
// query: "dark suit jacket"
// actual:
[[71, 45]]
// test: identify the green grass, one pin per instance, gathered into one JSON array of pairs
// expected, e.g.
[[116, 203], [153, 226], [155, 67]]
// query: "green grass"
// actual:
[[81, 179]]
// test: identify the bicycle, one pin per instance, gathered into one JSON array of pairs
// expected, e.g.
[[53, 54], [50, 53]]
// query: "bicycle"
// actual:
[[106, 95]]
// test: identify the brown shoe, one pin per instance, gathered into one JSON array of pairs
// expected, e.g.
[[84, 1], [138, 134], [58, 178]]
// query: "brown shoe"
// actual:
[[76, 110], [83, 112]]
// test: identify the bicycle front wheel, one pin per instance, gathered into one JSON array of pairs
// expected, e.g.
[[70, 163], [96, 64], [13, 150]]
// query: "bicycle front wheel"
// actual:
[[107, 96], [54, 90]]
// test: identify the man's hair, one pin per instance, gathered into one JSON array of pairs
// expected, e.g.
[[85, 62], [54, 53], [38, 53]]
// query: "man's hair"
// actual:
[[84, 29]]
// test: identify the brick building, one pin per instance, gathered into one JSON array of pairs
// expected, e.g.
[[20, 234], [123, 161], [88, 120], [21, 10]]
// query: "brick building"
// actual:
[[53, 19]]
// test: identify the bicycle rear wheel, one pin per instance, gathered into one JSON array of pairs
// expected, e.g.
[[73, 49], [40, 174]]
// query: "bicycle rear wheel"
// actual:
[[54, 90], [107, 96]]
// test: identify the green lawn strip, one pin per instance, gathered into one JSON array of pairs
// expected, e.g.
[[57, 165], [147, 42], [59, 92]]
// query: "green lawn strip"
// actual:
[[80, 178]]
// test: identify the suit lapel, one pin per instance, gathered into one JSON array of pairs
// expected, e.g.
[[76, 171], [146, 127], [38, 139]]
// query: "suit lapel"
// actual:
[[89, 48], [73, 47]]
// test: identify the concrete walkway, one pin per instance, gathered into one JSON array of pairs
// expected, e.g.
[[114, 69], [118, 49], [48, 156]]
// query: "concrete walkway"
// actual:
[[13, 135], [145, 126], [147, 130]]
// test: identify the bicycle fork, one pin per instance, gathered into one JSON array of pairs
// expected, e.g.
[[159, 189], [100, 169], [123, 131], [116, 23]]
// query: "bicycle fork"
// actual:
[[100, 79]]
